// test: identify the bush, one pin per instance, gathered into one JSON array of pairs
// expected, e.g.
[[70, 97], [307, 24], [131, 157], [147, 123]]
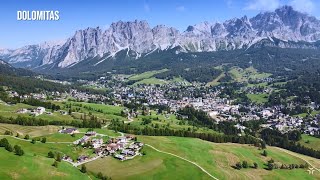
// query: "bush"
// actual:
[[44, 140], [238, 165], [3, 142], [255, 165], [245, 164], [55, 164], [33, 141], [18, 150], [8, 147], [8, 133], [27, 136], [83, 169], [264, 153], [58, 157], [50, 154]]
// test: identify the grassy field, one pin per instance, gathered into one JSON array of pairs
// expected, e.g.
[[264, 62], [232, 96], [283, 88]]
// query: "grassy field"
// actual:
[[215, 82], [313, 113], [151, 80], [243, 75], [310, 141], [58, 137], [258, 98], [153, 165], [35, 167], [146, 75], [108, 112], [42, 149], [102, 131], [10, 111], [218, 158], [33, 131], [164, 121]]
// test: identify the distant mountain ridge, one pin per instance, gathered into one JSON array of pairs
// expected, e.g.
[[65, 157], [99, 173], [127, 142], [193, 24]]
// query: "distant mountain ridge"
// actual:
[[284, 28]]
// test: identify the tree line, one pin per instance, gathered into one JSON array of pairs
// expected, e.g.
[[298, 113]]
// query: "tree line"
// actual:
[[32, 121]]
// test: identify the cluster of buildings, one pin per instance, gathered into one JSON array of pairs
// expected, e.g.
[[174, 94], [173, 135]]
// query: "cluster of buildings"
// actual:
[[34, 112], [122, 148]]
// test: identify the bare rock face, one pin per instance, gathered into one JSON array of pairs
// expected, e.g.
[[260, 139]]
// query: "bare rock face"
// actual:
[[284, 24]]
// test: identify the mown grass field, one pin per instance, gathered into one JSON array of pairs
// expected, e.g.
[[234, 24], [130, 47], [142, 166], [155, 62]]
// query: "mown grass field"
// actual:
[[108, 112], [313, 113], [35, 168], [146, 75], [42, 149], [11, 111], [218, 158], [258, 98], [33, 131], [243, 75], [105, 131], [164, 121], [215, 82], [150, 81], [310, 141], [153, 165], [58, 137]]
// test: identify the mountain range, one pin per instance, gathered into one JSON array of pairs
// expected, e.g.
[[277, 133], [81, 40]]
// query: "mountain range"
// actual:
[[284, 28]]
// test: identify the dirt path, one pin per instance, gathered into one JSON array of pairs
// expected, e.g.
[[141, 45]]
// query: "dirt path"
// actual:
[[184, 160], [298, 156]]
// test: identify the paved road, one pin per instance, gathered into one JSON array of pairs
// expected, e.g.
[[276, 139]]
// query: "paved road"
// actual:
[[184, 160], [89, 160]]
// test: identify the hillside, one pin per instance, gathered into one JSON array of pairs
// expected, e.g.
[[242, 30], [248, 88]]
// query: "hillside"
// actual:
[[217, 159], [164, 157]]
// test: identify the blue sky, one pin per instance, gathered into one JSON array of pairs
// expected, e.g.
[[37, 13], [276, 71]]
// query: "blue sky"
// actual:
[[80, 14]]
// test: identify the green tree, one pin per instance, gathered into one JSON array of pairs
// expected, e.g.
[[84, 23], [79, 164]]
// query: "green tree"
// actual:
[[238, 165], [100, 175], [83, 169], [33, 141], [270, 166], [8, 147], [244, 164], [55, 164], [8, 133], [27, 136], [264, 153], [3, 142], [44, 140], [58, 157], [50, 154], [18, 150], [255, 165]]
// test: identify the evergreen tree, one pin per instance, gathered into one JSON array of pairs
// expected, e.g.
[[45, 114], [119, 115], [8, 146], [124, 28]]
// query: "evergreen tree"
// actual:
[[18, 150], [83, 169], [50, 154]]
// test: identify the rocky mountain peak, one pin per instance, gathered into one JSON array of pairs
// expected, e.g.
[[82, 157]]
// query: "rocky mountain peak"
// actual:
[[137, 37]]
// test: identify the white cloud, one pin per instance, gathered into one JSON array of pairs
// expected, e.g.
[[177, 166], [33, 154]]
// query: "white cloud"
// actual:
[[181, 8], [303, 5], [146, 7], [262, 5]]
